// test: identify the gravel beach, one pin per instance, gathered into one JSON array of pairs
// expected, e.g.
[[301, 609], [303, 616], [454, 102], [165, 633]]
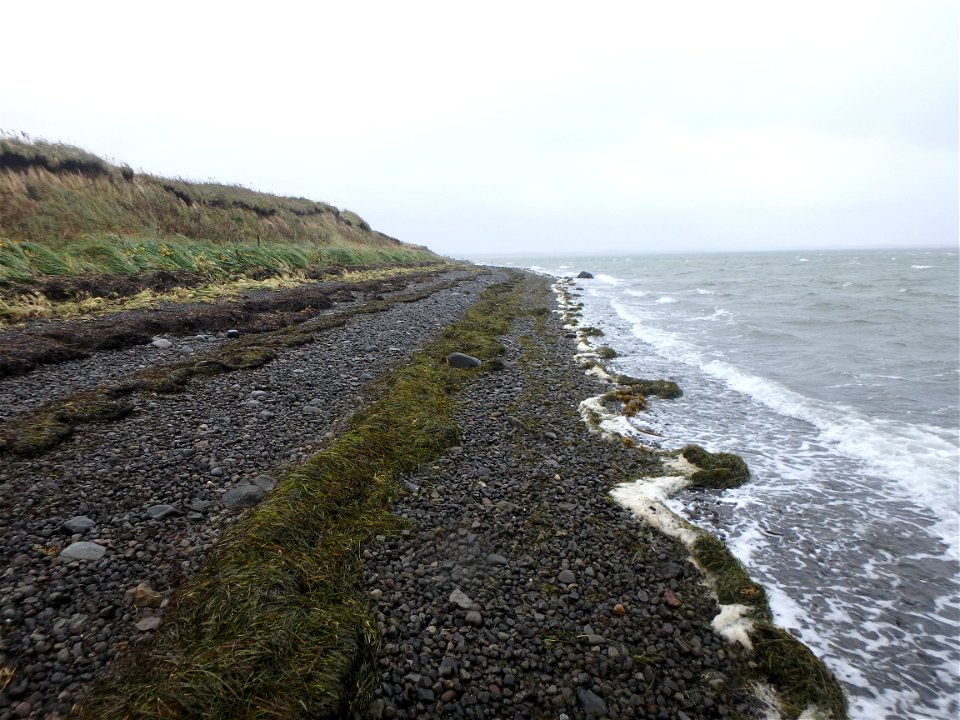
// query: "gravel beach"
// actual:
[[518, 588]]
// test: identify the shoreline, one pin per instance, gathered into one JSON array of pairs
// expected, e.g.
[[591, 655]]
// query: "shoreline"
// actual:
[[537, 368]]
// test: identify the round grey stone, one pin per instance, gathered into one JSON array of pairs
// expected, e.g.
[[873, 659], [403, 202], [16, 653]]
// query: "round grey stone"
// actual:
[[567, 577], [243, 496], [78, 524], [461, 599], [162, 343], [83, 551], [459, 360], [159, 512], [591, 703], [265, 481]]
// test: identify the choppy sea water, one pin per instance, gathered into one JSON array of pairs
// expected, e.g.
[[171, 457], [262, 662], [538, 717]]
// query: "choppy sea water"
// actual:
[[835, 376]]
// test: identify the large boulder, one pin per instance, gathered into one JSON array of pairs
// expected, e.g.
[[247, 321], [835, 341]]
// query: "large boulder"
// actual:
[[584, 275]]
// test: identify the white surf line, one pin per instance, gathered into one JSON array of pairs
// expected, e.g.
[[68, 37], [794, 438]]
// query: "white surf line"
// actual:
[[646, 498]]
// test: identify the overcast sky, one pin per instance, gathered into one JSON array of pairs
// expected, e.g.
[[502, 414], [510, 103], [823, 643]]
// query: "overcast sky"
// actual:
[[523, 126]]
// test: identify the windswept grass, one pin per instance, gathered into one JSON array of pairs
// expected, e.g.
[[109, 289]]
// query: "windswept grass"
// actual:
[[276, 623], [65, 212]]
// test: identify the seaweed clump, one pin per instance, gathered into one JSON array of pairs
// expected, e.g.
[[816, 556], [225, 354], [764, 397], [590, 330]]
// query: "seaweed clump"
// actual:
[[796, 673], [730, 580], [717, 470]]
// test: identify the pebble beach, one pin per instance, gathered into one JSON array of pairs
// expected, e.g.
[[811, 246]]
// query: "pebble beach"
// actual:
[[516, 588]]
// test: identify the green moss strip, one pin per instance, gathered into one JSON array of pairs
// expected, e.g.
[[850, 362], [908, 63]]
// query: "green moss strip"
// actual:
[[275, 624]]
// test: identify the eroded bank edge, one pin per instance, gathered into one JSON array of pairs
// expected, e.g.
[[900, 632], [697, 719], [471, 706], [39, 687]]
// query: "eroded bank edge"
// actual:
[[785, 674]]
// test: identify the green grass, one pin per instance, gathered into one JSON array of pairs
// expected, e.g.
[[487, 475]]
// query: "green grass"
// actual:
[[276, 623], [66, 211]]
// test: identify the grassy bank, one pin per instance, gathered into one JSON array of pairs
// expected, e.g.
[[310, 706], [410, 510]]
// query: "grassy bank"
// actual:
[[275, 624], [65, 212]]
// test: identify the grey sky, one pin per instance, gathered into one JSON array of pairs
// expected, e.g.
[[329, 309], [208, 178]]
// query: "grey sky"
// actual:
[[524, 126]]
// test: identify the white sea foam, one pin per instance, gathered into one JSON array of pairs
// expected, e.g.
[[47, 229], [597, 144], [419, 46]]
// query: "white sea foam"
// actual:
[[719, 314], [921, 267], [608, 279], [636, 293], [702, 291], [666, 300], [921, 458], [646, 497]]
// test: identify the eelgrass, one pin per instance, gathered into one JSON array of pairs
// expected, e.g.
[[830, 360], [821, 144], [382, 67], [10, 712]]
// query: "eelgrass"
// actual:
[[800, 678], [728, 576], [275, 624]]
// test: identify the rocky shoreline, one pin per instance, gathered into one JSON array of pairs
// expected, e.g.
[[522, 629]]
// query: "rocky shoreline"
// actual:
[[520, 588], [517, 589]]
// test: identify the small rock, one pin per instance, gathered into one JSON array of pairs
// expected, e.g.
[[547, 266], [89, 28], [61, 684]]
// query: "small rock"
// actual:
[[448, 667], [243, 496], [619, 610], [145, 596], [497, 559], [584, 275], [78, 524], [232, 333], [672, 600], [592, 703], [566, 577], [459, 598], [474, 618], [151, 622], [159, 512], [264, 481], [83, 551], [459, 360], [162, 343]]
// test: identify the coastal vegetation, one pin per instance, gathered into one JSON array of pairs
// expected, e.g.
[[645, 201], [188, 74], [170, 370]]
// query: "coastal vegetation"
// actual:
[[275, 623], [68, 213]]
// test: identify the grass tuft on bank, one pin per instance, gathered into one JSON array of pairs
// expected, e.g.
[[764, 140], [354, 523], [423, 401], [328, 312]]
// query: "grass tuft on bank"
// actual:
[[276, 623], [67, 212]]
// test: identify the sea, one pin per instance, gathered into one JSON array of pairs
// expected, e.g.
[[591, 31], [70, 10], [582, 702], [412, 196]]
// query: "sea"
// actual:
[[836, 376]]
